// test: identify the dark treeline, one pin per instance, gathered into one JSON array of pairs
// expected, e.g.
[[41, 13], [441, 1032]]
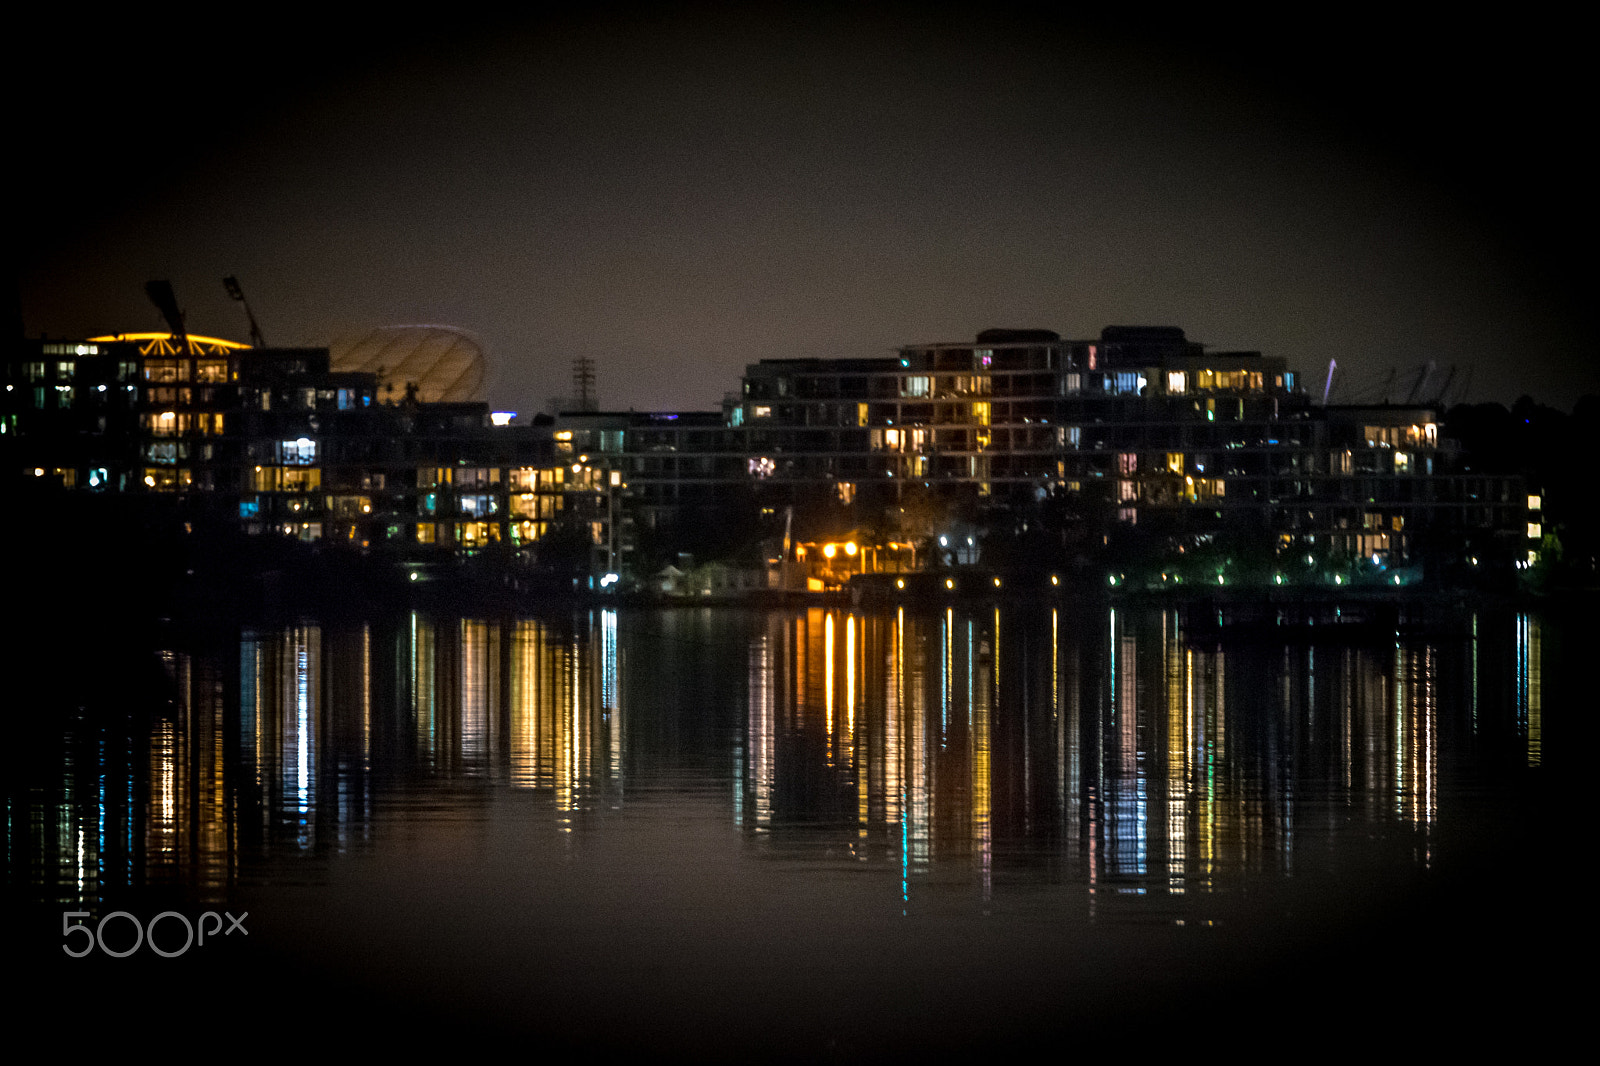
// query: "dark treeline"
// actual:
[[1549, 448]]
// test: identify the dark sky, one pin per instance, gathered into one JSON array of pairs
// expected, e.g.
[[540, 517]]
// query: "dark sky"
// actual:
[[677, 192]]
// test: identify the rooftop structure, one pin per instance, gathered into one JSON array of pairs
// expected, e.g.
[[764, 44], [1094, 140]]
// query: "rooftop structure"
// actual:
[[433, 364]]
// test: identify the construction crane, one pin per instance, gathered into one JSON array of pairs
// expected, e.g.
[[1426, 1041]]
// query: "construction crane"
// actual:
[[1419, 391], [231, 283], [166, 301]]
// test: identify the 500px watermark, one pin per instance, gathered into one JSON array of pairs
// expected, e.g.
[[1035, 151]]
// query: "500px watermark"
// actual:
[[82, 940]]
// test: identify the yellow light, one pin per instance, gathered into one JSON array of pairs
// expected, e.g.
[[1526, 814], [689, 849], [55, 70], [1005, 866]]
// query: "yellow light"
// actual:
[[850, 547], [1054, 580], [996, 582], [900, 583], [219, 342], [829, 550], [949, 582]]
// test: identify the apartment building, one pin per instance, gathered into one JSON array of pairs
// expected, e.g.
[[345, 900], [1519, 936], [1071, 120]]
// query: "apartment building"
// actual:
[[1137, 436], [277, 442]]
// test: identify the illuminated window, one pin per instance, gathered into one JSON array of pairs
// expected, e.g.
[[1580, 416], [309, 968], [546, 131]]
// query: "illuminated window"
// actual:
[[1175, 462], [300, 452], [1177, 382], [1534, 503], [302, 480], [1535, 530]]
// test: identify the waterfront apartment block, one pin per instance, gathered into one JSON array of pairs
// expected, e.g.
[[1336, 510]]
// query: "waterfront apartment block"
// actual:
[[277, 442], [1138, 437]]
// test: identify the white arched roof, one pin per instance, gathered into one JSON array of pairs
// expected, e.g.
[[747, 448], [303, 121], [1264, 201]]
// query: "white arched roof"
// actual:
[[445, 363]]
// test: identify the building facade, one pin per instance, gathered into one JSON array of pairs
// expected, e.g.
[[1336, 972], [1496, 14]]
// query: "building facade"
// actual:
[[1139, 437]]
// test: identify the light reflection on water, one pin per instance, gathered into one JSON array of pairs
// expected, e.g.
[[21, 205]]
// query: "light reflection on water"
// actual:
[[752, 778]]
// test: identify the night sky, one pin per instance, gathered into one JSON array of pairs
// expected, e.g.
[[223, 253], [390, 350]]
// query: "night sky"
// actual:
[[676, 193]]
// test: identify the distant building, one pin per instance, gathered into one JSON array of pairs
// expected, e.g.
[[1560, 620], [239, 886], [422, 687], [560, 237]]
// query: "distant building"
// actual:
[[1140, 436], [276, 441]]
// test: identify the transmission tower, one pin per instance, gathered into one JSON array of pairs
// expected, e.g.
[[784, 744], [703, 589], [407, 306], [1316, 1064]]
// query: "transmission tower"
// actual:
[[583, 384]]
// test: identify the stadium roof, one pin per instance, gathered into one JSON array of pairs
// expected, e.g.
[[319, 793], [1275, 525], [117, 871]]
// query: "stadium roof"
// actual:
[[446, 364]]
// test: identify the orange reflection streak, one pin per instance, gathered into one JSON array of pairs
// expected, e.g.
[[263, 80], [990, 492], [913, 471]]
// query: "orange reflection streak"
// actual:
[[524, 739], [828, 681]]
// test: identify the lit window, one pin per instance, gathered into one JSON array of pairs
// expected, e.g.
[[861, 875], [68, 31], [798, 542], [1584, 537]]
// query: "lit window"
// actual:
[[300, 452]]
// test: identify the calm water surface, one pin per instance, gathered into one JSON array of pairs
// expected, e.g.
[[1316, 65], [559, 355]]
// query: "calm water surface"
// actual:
[[817, 833]]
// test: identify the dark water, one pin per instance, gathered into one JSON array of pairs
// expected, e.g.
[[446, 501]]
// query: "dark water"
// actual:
[[814, 834]]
